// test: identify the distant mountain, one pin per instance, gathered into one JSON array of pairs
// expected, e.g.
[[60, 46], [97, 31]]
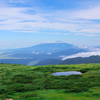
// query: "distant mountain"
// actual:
[[49, 62], [78, 60], [33, 55], [54, 49], [56, 57], [15, 61], [71, 51], [45, 48]]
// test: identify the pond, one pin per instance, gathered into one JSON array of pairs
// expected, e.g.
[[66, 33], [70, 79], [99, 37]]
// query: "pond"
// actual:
[[66, 73]]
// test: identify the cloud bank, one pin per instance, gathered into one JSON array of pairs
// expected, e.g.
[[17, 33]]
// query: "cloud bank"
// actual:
[[83, 54]]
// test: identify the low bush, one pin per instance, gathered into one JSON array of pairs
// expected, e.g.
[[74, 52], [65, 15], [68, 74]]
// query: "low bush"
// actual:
[[77, 89], [29, 95], [21, 78], [22, 87], [3, 89], [85, 70]]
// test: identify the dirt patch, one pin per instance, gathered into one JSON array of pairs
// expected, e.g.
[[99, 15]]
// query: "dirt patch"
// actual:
[[9, 99]]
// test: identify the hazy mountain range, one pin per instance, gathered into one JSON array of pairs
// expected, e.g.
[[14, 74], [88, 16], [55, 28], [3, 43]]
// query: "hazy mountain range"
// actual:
[[77, 60], [48, 53]]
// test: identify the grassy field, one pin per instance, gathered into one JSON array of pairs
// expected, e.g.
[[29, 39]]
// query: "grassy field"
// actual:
[[21, 82]]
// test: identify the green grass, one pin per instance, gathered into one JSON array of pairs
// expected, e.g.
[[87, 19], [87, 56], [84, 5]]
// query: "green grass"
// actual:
[[92, 94], [21, 82]]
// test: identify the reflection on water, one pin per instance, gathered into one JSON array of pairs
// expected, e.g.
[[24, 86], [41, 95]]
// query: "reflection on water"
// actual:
[[67, 73]]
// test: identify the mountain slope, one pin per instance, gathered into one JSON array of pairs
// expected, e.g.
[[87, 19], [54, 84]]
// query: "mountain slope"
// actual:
[[39, 52], [49, 62], [80, 60], [44, 48], [77, 60]]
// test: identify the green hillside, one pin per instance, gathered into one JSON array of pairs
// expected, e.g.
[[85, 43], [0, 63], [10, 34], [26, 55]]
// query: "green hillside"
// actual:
[[21, 82]]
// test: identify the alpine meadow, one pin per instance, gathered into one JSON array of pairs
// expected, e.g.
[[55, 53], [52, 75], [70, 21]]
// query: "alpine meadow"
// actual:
[[49, 50]]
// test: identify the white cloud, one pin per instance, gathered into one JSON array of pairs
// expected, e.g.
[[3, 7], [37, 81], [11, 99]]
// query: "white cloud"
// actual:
[[0, 43], [83, 54], [27, 31], [19, 19], [88, 34], [35, 52], [91, 13], [90, 30], [16, 13], [49, 53], [18, 1]]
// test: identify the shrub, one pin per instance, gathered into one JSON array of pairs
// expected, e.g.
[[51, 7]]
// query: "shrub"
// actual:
[[22, 87], [73, 76], [21, 78], [3, 89], [29, 95], [77, 89], [85, 70]]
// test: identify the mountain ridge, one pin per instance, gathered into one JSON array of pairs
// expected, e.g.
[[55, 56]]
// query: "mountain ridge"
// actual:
[[77, 60], [34, 54]]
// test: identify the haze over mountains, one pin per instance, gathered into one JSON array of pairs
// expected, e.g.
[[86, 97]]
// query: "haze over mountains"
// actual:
[[49, 53]]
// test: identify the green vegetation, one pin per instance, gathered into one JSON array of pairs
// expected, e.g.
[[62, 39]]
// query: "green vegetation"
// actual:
[[21, 82]]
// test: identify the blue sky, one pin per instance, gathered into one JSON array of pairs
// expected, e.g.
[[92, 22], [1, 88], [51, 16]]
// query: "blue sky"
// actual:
[[25, 23]]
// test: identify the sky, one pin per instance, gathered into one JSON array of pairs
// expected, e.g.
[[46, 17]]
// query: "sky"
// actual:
[[24, 23]]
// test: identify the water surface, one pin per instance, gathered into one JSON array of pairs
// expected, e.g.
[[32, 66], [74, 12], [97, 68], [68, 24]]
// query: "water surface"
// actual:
[[67, 73]]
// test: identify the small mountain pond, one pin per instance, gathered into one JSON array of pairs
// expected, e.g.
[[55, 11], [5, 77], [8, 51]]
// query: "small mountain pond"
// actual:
[[66, 73]]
